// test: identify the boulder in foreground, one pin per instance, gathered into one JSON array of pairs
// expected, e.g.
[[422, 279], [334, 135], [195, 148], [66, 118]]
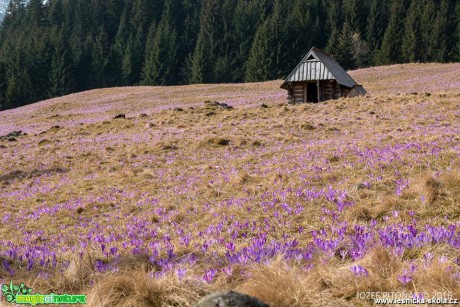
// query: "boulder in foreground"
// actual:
[[230, 299]]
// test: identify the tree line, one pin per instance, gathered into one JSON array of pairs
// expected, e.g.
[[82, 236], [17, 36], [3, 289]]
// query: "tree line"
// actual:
[[62, 46]]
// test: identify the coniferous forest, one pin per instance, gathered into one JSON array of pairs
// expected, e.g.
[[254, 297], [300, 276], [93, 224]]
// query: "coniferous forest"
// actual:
[[65, 46]]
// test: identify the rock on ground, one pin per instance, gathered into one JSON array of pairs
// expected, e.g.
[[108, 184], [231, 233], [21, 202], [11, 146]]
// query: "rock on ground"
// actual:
[[230, 299]]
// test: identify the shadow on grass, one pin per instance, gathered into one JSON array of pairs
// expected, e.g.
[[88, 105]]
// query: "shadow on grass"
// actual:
[[32, 174]]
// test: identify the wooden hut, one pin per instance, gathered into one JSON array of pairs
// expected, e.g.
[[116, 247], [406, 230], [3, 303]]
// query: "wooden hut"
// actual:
[[318, 77]]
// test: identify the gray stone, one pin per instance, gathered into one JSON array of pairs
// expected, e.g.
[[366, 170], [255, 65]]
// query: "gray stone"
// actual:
[[14, 133], [230, 299], [11, 136], [119, 116]]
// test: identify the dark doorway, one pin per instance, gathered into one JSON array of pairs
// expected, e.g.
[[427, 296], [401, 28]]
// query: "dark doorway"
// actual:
[[312, 92]]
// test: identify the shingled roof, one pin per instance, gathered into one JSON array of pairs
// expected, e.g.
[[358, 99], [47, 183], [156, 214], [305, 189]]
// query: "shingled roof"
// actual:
[[319, 65]]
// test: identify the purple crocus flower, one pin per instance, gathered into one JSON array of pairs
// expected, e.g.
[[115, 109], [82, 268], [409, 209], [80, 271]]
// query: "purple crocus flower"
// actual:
[[113, 251], [209, 275], [30, 264], [180, 273], [230, 246], [428, 256], [359, 270], [100, 265], [228, 270], [404, 279], [343, 253]]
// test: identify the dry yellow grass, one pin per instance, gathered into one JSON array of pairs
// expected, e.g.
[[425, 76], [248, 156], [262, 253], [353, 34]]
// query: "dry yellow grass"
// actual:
[[178, 167]]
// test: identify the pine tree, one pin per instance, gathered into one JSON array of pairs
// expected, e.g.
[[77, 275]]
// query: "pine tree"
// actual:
[[198, 62], [143, 14], [113, 9], [35, 13], [147, 76], [123, 45], [300, 19], [37, 51], [100, 60], [428, 11], [266, 51], [244, 22], [355, 12], [340, 46], [360, 51], [390, 51], [188, 26], [457, 35], [61, 68], [261, 10], [14, 18], [222, 70], [95, 14], [222, 67], [411, 43], [318, 15], [128, 74], [375, 29], [56, 13], [439, 36], [334, 17], [3, 103], [203, 57], [346, 55], [138, 51], [333, 46], [261, 63], [162, 66], [80, 43], [18, 83]]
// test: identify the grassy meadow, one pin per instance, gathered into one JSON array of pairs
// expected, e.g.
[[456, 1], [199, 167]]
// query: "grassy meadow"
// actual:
[[208, 187]]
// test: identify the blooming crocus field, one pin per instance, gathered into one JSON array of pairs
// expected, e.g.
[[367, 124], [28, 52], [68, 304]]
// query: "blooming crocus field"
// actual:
[[297, 205]]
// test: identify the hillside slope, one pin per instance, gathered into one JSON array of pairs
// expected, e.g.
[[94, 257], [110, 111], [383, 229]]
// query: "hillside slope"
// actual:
[[96, 105], [301, 205]]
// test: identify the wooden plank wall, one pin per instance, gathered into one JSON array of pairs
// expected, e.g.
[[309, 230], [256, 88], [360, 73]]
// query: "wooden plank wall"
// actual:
[[297, 93], [290, 96], [337, 93], [327, 90]]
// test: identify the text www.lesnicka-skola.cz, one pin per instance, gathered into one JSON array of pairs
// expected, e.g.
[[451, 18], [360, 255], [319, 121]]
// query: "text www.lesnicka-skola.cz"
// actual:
[[414, 298]]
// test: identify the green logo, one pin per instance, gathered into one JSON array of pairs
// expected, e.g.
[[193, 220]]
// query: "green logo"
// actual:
[[22, 295]]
